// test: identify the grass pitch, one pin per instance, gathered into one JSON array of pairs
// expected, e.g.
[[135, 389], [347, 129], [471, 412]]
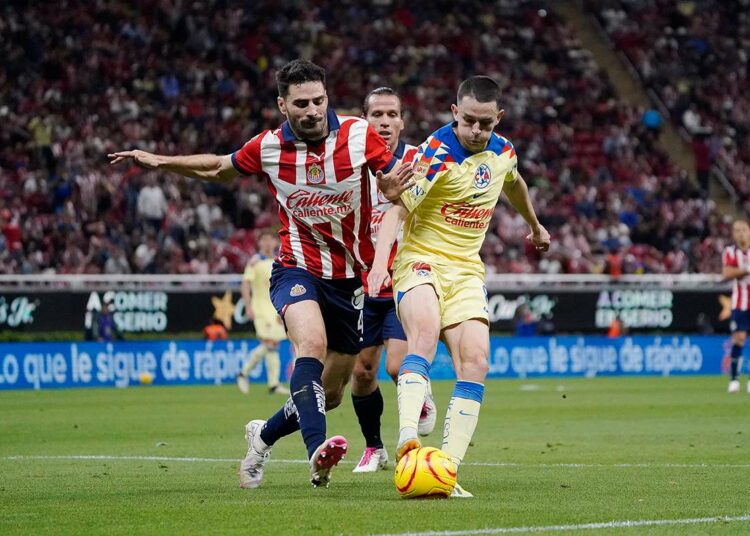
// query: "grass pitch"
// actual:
[[547, 453]]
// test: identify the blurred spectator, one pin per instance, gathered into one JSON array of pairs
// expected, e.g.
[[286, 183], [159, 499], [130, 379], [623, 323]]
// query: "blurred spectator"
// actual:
[[152, 204], [215, 330], [613, 263], [525, 322], [615, 327], [103, 325], [702, 154]]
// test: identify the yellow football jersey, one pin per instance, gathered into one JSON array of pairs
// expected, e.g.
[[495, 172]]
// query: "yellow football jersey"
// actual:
[[258, 272], [452, 203]]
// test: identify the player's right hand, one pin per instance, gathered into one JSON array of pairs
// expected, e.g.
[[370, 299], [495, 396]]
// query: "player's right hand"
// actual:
[[377, 278], [396, 181], [141, 158]]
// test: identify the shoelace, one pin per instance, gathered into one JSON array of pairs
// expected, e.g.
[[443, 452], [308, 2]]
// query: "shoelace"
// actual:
[[367, 456]]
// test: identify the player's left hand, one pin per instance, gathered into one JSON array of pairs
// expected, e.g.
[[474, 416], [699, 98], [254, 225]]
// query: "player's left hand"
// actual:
[[540, 238], [396, 181]]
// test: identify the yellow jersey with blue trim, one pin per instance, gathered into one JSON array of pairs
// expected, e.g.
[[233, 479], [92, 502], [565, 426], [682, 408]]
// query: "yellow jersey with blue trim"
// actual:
[[452, 202]]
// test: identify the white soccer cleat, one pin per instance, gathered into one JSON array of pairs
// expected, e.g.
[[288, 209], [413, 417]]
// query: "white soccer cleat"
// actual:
[[428, 417], [258, 453], [373, 459], [242, 384], [734, 386], [460, 493], [325, 458]]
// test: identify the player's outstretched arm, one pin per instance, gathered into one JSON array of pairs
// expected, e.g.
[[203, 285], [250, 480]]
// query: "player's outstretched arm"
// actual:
[[396, 181], [518, 194], [208, 167], [378, 275]]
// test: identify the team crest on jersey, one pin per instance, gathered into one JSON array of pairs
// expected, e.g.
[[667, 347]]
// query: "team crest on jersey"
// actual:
[[482, 177], [297, 290], [315, 174], [421, 168], [422, 269]]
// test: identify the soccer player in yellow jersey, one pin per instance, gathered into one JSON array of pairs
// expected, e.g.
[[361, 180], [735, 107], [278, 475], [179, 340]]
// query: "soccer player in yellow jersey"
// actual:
[[268, 325], [438, 276]]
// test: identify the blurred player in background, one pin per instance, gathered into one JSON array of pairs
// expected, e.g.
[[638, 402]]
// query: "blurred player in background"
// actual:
[[382, 109], [438, 276], [315, 164], [269, 328], [736, 266]]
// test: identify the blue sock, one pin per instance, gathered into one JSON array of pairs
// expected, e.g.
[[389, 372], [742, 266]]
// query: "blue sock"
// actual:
[[310, 399], [735, 364], [416, 364], [283, 423], [470, 390]]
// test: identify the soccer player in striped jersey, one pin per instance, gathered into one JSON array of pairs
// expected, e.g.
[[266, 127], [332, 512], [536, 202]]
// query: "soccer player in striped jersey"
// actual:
[[736, 266], [438, 275], [316, 165], [382, 109]]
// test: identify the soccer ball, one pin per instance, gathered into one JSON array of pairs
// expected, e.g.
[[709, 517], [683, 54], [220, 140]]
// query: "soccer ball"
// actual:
[[425, 472]]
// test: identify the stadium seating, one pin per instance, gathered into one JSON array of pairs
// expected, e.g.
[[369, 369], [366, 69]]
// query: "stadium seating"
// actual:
[[693, 55], [200, 79]]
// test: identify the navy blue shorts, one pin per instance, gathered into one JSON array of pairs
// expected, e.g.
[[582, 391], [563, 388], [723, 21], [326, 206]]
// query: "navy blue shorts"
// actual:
[[341, 302], [739, 321], [381, 322]]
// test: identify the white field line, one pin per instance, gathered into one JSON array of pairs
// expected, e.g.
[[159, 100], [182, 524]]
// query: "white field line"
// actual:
[[106, 457], [583, 526]]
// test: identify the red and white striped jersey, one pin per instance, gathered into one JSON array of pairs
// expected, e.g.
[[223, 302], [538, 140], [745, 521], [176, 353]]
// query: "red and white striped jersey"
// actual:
[[323, 193], [734, 256], [380, 206]]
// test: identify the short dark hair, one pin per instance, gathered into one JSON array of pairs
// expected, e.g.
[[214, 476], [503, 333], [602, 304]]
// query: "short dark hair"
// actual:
[[298, 72], [381, 91], [482, 88]]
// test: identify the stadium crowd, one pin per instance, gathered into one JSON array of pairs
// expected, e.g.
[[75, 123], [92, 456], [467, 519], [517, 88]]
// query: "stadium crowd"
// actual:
[[191, 77], [694, 55]]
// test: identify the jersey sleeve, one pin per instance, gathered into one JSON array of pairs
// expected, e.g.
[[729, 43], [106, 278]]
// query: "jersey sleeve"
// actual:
[[428, 167], [512, 174], [247, 159], [728, 258], [378, 157]]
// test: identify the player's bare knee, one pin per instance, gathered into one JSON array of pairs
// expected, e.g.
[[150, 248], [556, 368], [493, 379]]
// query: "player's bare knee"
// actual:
[[364, 374], [474, 365], [313, 345]]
